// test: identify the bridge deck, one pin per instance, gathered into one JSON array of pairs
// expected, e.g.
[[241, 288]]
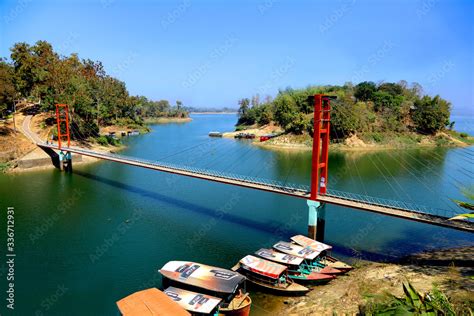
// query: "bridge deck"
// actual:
[[380, 206]]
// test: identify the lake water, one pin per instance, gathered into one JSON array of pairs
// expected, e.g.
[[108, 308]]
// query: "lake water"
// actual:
[[86, 239]]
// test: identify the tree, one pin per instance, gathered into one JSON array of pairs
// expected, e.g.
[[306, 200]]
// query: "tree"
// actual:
[[364, 91], [243, 113], [343, 122], [285, 110], [243, 106], [255, 100], [392, 88], [266, 115], [431, 115], [383, 99], [7, 88], [23, 63]]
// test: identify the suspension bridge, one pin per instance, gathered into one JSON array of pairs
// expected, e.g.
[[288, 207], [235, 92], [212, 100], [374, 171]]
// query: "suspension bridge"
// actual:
[[317, 192]]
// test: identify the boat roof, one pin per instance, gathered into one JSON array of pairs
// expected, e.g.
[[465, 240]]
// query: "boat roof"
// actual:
[[262, 266], [192, 301], [203, 276], [308, 242], [276, 256], [296, 250], [150, 302]]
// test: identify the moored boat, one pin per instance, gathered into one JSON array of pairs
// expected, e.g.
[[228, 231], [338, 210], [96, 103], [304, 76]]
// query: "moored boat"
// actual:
[[309, 255], [215, 134], [269, 276], [326, 258], [244, 136], [195, 303], [150, 302], [297, 270], [222, 283]]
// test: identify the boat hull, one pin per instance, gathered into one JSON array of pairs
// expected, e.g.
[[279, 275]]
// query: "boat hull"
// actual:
[[337, 264], [293, 289], [314, 278], [241, 307], [242, 310]]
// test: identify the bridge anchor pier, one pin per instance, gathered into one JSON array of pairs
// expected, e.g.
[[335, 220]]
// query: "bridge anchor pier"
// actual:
[[316, 220], [65, 161]]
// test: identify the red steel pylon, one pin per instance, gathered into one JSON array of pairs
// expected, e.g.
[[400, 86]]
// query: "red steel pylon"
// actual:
[[319, 166], [62, 121]]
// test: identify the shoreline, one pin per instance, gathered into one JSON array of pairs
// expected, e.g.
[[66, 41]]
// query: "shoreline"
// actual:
[[36, 157], [297, 143], [369, 283], [166, 120], [211, 113]]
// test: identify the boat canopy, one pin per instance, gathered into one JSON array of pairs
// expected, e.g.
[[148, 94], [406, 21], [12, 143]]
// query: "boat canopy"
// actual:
[[276, 256], [296, 250], [308, 242], [192, 301], [150, 302], [262, 266], [203, 276]]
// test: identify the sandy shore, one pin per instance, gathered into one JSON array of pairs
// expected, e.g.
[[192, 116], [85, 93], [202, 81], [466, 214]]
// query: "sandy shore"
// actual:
[[166, 120]]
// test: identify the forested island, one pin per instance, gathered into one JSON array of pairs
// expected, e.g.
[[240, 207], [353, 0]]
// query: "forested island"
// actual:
[[395, 114], [37, 75]]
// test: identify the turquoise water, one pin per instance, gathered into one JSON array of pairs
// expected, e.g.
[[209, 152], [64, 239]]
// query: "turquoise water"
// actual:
[[86, 239]]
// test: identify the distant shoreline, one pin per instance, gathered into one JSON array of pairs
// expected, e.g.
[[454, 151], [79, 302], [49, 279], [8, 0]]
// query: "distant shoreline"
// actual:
[[202, 113]]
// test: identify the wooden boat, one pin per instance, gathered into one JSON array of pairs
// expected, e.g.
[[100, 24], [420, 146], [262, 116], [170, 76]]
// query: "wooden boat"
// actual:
[[244, 136], [297, 270], [269, 276], [309, 255], [195, 303], [150, 302], [326, 258], [222, 283], [215, 134]]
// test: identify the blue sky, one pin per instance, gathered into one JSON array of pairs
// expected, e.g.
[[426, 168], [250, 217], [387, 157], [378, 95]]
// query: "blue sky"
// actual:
[[211, 53]]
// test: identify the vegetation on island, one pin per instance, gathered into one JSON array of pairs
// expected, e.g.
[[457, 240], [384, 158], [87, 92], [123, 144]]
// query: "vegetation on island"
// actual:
[[369, 110], [38, 74]]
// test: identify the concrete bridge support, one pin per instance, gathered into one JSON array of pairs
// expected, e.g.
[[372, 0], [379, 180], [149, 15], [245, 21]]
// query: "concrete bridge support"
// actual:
[[65, 161], [316, 220]]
